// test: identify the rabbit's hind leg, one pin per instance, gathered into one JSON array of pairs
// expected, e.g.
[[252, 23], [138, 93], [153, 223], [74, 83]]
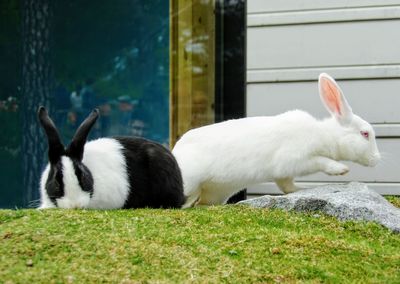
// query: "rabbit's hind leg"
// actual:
[[192, 192], [212, 194], [286, 185]]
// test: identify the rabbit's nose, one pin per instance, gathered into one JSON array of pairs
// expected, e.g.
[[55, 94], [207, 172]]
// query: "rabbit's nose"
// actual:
[[374, 160]]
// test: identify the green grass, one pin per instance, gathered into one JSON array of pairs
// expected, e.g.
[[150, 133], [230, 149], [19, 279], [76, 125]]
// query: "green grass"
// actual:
[[222, 244], [395, 200]]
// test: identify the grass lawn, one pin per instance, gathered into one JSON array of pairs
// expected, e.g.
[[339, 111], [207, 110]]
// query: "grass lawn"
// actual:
[[222, 244]]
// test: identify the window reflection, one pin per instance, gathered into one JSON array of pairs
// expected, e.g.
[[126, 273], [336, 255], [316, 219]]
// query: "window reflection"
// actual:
[[73, 56], [114, 56], [192, 65], [154, 68]]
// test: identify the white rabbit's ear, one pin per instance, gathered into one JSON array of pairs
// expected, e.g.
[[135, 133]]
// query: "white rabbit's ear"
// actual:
[[333, 99]]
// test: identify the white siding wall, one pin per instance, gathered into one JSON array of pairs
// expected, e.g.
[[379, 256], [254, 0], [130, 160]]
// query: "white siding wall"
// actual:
[[289, 42]]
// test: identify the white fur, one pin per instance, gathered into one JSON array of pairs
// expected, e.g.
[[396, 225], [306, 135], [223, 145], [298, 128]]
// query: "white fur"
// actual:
[[106, 162], [74, 196], [45, 201], [220, 159]]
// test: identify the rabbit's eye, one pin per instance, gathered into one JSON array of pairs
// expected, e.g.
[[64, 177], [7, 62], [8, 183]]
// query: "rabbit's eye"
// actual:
[[365, 134]]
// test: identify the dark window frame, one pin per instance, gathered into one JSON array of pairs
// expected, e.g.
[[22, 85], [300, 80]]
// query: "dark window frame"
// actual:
[[230, 65]]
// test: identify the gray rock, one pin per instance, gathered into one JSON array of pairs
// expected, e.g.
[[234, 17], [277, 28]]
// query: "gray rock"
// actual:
[[353, 201]]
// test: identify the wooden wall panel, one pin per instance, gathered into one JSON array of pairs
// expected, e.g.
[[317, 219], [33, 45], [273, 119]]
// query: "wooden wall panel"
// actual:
[[290, 42]]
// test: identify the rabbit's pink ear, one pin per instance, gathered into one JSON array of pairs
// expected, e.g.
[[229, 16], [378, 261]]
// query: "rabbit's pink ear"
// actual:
[[333, 99]]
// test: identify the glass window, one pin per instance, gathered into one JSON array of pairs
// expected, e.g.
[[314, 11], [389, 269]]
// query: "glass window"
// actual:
[[73, 56], [154, 68], [192, 65], [207, 63]]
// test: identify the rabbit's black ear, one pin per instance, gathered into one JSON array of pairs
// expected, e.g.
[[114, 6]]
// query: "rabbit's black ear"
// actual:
[[56, 148], [75, 149]]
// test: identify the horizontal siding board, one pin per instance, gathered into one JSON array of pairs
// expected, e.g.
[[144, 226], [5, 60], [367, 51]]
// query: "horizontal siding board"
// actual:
[[310, 73], [290, 42], [263, 6], [271, 188], [377, 101], [323, 16], [338, 44], [387, 130]]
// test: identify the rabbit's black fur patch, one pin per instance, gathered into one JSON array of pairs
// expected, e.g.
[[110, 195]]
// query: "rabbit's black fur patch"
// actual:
[[153, 173]]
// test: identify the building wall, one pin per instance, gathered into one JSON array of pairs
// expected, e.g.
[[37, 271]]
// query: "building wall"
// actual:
[[290, 42]]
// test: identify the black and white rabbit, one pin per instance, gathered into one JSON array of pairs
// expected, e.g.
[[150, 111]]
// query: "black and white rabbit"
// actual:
[[107, 173], [220, 159]]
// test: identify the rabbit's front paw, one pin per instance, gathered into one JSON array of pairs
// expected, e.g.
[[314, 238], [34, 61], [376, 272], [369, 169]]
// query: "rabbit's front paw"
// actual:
[[337, 169]]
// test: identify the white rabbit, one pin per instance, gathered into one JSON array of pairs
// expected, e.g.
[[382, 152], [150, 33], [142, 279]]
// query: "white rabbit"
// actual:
[[219, 160]]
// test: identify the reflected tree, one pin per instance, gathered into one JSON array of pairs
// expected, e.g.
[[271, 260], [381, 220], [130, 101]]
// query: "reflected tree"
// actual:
[[36, 89]]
